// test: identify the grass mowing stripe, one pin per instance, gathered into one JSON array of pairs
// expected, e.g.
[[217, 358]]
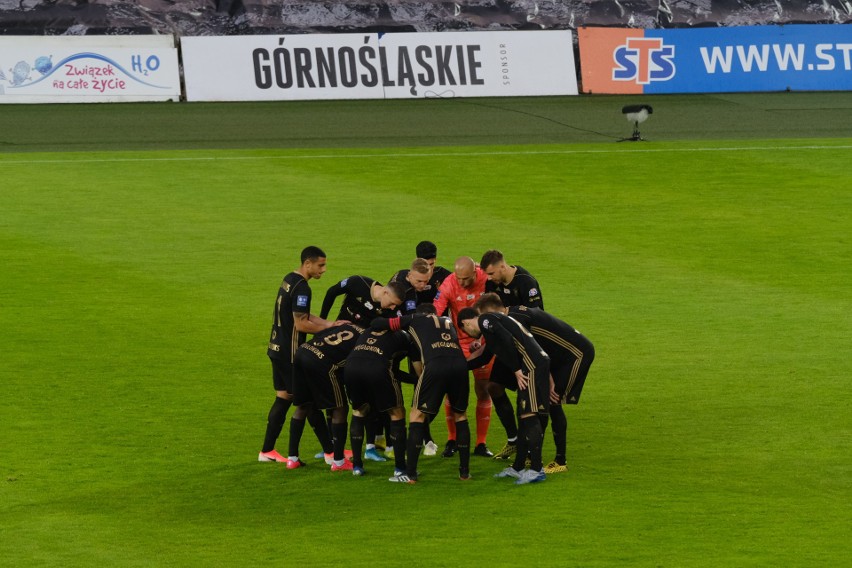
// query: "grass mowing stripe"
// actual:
[[463, 153]]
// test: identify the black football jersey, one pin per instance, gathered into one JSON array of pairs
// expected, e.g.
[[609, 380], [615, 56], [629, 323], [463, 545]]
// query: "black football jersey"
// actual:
[[358, 304], [554, 335], [294, 296], [523, 290], [333, 345]]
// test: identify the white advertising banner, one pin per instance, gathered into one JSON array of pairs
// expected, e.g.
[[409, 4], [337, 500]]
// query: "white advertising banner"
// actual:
[[378, 66], [76, 69]]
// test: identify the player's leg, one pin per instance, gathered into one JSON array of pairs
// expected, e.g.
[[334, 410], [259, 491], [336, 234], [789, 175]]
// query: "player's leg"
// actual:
[[329, 395], [359, 398], [316, 418], [501, 377], [416, 426], [529, 431], [450, 448], [483, 411], [559, 424], [457, 387], [297, 427], [372, 427], [387, 395], [277, 415], [338, 439], [463, 439], [564, 373], [536, 398], [533, 437], [274, 424], [430, 448], [397, 437], [356, 439]]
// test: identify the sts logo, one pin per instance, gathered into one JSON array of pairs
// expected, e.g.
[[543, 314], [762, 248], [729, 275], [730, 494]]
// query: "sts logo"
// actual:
[[643, 60]]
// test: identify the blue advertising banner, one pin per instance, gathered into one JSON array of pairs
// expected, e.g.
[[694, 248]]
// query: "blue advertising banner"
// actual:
[[717, 60]]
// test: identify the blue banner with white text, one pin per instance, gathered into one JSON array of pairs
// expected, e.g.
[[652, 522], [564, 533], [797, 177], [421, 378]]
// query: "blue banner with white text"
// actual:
[[758, 58], [717, 60]]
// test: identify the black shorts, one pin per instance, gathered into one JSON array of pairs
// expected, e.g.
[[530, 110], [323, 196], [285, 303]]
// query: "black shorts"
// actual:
[[372, 382], [282, 375], [442, 376], [569, 374], [317, 383], [535, 398]]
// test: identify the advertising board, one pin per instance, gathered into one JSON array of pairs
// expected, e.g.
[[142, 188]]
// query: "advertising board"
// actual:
[[713, 60], [88, 69], [378, 66]]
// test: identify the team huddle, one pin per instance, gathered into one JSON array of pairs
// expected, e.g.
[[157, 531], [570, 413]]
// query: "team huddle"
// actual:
[[487, 318]]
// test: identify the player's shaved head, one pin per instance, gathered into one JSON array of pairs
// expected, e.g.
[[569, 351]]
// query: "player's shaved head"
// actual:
[[465, 263], [465, 271]]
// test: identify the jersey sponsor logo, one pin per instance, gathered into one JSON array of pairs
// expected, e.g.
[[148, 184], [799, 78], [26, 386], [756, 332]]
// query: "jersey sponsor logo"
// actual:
[[370, 348], [302, 301], [446, 336], [533, 292], [319, 354]]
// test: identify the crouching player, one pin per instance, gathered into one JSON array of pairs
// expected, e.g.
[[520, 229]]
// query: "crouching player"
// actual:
[[318, 383], [571, 354], [514, 347], [442, 370]]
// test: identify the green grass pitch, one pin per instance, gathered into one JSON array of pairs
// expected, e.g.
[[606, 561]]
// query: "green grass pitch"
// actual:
[[141, 247]]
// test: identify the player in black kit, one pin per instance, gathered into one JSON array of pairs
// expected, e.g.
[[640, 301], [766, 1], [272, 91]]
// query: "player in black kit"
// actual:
[[291, 322], [515, 348], [370, 383], [514, 284], [363, 299], [442, 369], [571, 354], [516, 287], [318, 384], [428, 251], [415, 281]]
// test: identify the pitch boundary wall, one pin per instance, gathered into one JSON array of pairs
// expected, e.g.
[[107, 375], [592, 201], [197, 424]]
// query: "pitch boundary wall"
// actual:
[[42, 69]]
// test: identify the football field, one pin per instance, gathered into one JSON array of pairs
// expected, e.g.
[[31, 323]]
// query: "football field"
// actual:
[[141, 249]]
